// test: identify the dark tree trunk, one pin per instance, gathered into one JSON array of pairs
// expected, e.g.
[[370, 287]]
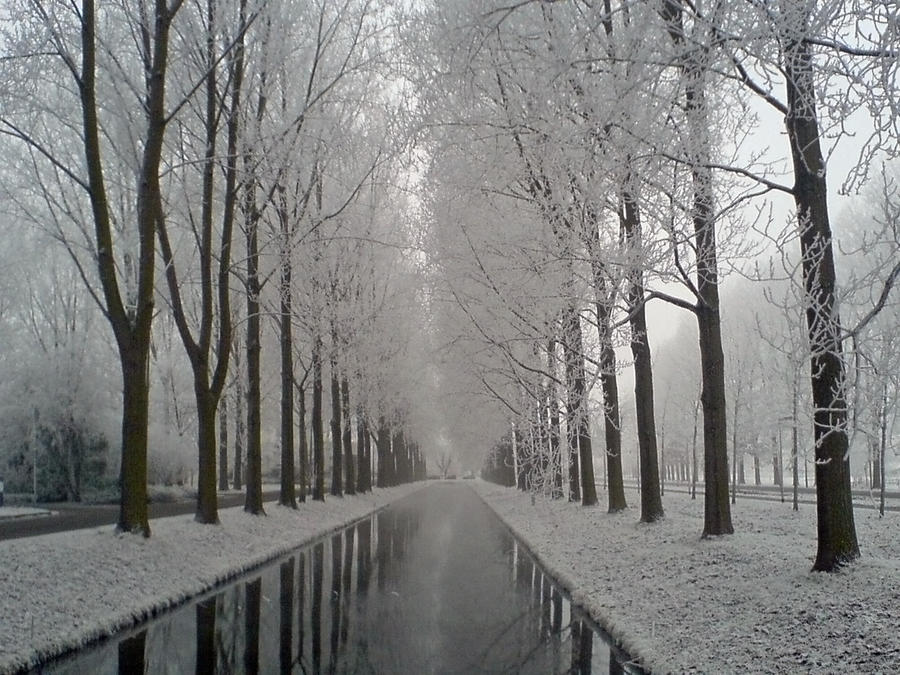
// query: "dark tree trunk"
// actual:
[[651, 498], [253, 502], [207, 504], [347, 438], [133, 516], [553, 421], [287, 495], [361, 433], [208, 386], [605, 296], [399, 452], [238, 425], [303, 450], [317, 425], [612, 424], [577, 402], [337, 486], [837, 542], [367, 444], [223, 443], [717, 511], [383, 445], [130, 318]]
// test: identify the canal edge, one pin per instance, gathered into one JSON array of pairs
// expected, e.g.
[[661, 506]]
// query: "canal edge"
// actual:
[[617, 642]]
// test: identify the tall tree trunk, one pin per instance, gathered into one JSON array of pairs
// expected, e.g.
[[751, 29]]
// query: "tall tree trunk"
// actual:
[[287, 495], [317, 426], [577, 408], [717, 511], [337, 482], [383, 445], [238, 423], [303, 450], [131, 317], [368, 448], [651, 497], [837, 542], [361, 433], [347, 438], [133, 516], [605, 296], [223, 443], [610, 386], [554, 422], [253, 502], [207, 503]]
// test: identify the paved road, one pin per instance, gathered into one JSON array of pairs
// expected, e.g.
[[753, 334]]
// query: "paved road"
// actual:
[[67, 516], [769, 493]]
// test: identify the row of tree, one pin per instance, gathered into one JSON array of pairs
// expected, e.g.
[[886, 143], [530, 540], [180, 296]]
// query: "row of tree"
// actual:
[[150, 141], [478, 198], [586, 157]]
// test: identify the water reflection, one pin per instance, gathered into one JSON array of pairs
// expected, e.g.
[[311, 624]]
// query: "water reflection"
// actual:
[[206, 636], [131, 653], [435, 584], [286, 602]]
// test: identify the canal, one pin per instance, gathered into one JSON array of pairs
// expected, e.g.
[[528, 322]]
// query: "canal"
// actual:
[[435, 583]]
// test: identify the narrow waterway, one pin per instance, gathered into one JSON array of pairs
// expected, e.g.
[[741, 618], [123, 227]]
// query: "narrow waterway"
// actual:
[[433, 584]]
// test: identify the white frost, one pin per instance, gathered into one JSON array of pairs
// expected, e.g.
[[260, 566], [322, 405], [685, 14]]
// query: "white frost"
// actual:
[[745, 603]]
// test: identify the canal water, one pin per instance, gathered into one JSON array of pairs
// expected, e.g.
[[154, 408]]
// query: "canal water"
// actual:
[[435, 583]]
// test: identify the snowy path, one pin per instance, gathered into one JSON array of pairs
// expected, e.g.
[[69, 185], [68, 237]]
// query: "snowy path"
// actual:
[[60, 591], [746, 603]]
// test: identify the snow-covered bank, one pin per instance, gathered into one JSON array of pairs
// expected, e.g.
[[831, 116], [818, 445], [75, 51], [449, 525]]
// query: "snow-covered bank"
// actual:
[[60, 591], [745, 603]]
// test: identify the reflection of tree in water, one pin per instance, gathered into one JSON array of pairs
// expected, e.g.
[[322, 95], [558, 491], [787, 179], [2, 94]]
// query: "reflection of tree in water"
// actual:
[[316, 616], [206, 636], [301, 606], [253, 597], [228, 615], [336, 560], [347, 583], [287, 615], [131, 654], [377, 600]]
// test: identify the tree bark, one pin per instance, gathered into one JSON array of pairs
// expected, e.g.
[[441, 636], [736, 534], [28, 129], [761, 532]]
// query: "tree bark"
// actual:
[[837, 541], [347, 439], [253, 502], [303, 450], [361, 459], [129, 318], [577, 411], [238, 424], [651, 498], [317, 426], [610, 386], [337, 486], [133, 515], [223, 443], [287, 496], [717, 511]]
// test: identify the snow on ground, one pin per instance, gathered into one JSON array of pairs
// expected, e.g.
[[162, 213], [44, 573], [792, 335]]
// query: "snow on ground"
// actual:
[[60, 591], [745, 603], [21, 512]]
